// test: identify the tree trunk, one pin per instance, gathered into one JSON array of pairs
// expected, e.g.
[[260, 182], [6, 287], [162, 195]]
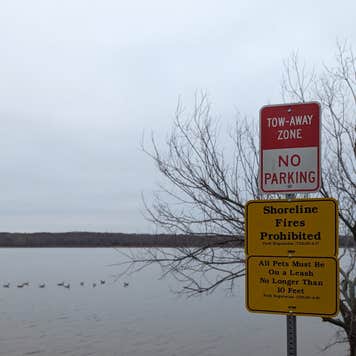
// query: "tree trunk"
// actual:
[[348, 324], [352, 344], [351, 333]]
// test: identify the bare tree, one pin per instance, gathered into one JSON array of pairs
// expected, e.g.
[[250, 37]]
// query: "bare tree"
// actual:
[[207, 192], [208, 182], [205, 195], [335, 89]]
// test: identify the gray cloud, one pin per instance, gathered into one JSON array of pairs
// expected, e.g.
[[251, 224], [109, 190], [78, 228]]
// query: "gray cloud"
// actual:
[[80, 81]]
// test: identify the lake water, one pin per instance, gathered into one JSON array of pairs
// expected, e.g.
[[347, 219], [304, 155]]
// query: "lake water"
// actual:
[[144, 318]]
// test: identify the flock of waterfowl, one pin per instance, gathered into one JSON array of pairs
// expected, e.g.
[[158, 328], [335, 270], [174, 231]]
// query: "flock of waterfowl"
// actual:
[[60, 284]]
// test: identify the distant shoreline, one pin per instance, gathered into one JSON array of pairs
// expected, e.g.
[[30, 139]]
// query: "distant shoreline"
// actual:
[[104, 239], [98, 239]]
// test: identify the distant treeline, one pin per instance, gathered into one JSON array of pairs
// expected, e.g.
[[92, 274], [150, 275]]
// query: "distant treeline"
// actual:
[[103, 239], [98, 239]]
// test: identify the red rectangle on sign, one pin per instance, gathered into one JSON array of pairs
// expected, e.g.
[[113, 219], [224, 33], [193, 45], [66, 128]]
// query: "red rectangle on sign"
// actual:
[[285, 126]]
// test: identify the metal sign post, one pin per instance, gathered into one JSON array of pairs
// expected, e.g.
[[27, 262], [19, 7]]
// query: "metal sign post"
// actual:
[[291, 335], [291, 319]]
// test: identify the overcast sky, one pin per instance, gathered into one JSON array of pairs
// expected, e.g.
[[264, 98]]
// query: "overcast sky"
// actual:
[[81, 80]]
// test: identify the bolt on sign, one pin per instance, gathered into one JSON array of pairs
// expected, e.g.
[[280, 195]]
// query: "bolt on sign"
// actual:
[[290, 148], [297, 285], [297, 227]]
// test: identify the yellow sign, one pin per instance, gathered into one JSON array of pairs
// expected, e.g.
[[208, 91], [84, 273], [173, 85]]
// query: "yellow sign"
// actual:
[[299, 227], [292, 285]]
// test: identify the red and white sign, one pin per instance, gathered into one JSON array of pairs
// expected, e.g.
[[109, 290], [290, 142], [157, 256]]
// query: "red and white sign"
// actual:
[[290, 148]]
